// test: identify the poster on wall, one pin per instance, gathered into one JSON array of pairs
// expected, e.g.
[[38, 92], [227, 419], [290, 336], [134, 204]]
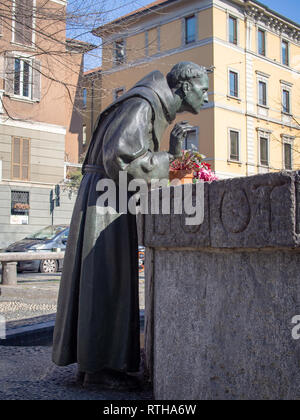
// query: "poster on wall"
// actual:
[[19, 219]]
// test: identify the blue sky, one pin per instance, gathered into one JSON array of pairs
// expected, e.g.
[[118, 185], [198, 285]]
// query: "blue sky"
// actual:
[[288, 8], [116, 8]]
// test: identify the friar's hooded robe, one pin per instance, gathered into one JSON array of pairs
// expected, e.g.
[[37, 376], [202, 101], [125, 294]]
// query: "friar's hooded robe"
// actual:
[[97, 323]]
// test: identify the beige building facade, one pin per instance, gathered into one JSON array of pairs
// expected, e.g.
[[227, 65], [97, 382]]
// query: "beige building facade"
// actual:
[[252, 121], [40, 122]]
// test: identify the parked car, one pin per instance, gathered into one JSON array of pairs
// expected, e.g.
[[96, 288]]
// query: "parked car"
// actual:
[[45, 240], [141, 259]]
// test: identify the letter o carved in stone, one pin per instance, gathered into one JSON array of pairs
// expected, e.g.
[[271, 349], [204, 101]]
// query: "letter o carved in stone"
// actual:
[[235, 211]]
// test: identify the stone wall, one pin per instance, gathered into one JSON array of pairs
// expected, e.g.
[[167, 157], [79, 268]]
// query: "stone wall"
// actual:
[[221, 296]]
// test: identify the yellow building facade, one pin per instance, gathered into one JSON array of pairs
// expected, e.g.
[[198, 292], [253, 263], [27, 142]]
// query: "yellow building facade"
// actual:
[[91, 103], [252, 121]]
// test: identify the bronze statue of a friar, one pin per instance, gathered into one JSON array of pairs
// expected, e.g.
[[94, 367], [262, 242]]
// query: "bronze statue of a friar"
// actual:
[[97, 323]]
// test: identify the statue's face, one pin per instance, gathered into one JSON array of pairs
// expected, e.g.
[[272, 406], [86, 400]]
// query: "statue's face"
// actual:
[[196, 94]]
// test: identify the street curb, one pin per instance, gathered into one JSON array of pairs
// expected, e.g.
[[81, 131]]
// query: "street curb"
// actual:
[[29, 335], [39, 334]]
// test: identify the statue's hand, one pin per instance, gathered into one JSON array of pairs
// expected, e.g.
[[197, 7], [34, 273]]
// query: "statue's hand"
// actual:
[[177, 137]]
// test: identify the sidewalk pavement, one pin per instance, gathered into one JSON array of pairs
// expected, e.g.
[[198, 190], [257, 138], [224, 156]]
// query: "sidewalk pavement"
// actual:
[[27, 373], [36, 295]]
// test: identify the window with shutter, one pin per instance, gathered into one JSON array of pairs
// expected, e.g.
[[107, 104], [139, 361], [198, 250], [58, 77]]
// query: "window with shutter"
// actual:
[[262, 93], [261, 42], [264, 151], [233, 30], [286, 101], [23, 77], [233, 84], [120, 52], [23, 21], [287, 156], [191, 141], [234, 145], [20, 159], [190, 29], [285, 52]]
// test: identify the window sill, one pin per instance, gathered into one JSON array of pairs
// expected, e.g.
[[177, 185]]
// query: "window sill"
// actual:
[[29, 47], [17, 180], [22, 99], [189, 43], [236, 162], [286, 114], [263, 106], [119, 64], [239, 100]]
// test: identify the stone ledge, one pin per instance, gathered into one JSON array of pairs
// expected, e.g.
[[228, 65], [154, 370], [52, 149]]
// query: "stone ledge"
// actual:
[[260, 211]]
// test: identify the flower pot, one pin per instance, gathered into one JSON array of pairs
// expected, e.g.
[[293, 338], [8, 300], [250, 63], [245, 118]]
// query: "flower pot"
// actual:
[[184, 176]]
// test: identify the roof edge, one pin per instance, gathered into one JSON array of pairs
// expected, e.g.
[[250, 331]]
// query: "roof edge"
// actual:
[[101, 31], [268, 9]]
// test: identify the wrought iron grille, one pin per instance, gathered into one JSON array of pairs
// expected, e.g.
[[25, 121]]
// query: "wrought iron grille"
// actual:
[[20, 203]]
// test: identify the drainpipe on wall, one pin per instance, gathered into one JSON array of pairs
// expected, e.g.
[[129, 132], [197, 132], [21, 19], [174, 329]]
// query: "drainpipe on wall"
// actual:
[[92, 118]]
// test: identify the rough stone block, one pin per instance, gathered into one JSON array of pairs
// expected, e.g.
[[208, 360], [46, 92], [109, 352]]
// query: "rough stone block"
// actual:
[[221, 297], [165, 230], [223, 325]]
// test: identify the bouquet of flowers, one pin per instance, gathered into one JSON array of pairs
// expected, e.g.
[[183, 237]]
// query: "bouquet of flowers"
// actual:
[[189, 160], [194, 161], [205, 173]]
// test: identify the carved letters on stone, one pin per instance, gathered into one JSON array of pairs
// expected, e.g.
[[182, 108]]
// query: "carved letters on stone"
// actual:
[[235, 211], [172, 230], [257, 211], [250, 212], [264, 204]]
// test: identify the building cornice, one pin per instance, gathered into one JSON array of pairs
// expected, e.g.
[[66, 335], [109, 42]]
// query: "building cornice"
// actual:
[[33, 125], [251, 9], [282, 26], [105, 29], [75, 45]]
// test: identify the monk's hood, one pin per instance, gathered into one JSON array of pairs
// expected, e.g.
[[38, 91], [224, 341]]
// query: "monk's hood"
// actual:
[[158, 83]]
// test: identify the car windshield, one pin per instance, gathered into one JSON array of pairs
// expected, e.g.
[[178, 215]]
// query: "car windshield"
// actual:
[[47, 233]]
